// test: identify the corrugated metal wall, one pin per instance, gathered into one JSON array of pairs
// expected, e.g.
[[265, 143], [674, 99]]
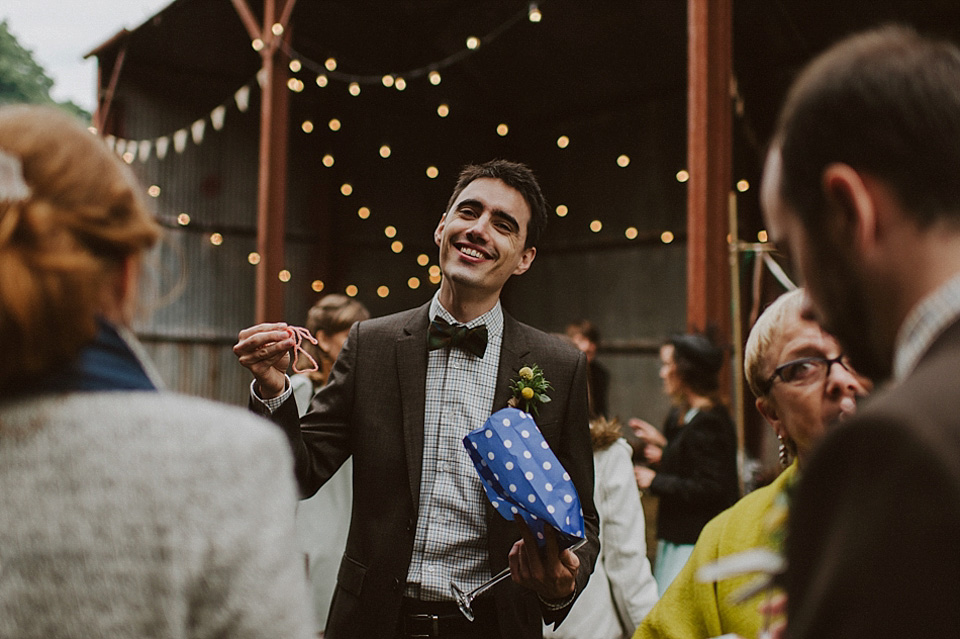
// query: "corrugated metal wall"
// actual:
[[197, 294]]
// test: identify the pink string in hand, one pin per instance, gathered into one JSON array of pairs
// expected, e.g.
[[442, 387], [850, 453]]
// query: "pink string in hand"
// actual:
[[299, 333]]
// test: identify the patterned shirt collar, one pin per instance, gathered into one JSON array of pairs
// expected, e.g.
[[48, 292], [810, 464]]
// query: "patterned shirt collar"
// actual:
[[493, 319], [923, 326]]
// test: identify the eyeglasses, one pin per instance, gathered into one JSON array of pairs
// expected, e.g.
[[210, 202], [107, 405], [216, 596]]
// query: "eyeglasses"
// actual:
[[806, 370]]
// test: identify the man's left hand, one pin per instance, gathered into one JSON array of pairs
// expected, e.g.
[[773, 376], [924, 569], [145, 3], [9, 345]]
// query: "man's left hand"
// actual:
[[550, 572]]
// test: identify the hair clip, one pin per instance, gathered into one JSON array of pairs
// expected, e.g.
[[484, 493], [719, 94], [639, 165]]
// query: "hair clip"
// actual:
[[13, 188]]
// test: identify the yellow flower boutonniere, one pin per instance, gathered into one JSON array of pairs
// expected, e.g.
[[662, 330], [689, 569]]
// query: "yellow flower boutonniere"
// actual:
[[529, 389]]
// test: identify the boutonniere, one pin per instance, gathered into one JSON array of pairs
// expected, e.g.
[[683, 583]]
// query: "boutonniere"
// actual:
[[529, 389]]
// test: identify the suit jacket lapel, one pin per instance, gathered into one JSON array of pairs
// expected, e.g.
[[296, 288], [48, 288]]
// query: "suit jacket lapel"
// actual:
[[412, 372], [513, 351]]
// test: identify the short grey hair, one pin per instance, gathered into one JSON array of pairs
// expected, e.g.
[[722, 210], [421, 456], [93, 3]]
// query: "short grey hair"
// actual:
[[768, 328]]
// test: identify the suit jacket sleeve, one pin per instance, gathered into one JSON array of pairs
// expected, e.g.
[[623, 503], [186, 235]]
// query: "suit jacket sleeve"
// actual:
[[320, 439]]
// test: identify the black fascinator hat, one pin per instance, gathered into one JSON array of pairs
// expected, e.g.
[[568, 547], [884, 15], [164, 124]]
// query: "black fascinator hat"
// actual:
[[698, 361]]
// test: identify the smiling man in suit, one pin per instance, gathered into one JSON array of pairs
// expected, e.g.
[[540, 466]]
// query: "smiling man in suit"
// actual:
[[404, 392], [861, 186]]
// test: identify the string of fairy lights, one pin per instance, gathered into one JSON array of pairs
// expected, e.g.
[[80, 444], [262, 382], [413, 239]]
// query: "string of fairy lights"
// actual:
[[323, 75]]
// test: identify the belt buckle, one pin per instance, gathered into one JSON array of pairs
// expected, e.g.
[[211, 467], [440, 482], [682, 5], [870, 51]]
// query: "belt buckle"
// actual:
[[434, 625]]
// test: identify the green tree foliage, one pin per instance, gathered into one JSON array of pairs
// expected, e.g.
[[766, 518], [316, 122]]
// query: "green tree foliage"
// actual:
[[22, 80]]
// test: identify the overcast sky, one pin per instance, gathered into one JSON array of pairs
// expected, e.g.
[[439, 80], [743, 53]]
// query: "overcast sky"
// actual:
[[60, 32]]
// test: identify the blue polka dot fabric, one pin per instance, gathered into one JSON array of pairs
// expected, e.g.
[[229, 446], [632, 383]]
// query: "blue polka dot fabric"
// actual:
[[521, 475]]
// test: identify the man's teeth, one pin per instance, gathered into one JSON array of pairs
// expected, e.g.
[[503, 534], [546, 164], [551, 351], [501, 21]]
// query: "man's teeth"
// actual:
[[472, 252]]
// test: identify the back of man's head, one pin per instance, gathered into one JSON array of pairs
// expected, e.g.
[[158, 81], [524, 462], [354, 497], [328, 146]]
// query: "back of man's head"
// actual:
[[887, 103], [517, 176]]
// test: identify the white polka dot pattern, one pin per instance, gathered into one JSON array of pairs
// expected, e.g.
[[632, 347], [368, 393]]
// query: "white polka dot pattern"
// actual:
[[521, 474]]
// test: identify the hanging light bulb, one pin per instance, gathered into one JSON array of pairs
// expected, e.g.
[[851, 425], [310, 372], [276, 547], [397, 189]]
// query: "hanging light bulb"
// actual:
[[434, 77], [534, 14]]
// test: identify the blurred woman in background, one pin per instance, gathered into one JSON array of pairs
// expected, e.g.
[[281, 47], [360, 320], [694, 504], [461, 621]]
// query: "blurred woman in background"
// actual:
[[695, 476], [126, 511]]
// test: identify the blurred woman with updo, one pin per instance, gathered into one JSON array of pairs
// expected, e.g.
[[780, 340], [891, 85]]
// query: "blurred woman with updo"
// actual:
[[694, 459], [126, 510]]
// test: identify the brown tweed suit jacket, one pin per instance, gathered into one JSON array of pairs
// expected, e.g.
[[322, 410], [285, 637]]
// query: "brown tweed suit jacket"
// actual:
[[373, 409]]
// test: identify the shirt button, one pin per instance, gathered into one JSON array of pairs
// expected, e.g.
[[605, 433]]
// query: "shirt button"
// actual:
[[430, 568]]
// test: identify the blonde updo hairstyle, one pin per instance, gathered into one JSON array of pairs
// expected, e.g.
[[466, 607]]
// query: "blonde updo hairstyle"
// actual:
[[61, 241], [782, 313]]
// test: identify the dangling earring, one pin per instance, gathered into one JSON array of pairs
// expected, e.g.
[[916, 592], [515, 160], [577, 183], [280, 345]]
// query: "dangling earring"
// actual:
[[783, 453]]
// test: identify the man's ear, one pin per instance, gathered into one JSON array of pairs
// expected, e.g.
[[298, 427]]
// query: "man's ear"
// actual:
[[851, 200], [438, 232], [526, 259]]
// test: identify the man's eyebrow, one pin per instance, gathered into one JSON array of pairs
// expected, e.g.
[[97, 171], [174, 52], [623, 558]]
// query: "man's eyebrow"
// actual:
[[472, 202], [497, 213], [503, 215]]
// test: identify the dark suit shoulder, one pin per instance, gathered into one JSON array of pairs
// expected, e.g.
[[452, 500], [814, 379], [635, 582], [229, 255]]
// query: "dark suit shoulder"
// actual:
[[926, 403], [541, 342]]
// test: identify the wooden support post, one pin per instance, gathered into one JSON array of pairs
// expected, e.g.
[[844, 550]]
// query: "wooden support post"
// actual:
[[272, 175], [710, 156], [106, 102]]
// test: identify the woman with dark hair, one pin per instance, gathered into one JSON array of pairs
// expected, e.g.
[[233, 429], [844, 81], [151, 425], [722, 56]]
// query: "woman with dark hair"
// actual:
[[696, 455]]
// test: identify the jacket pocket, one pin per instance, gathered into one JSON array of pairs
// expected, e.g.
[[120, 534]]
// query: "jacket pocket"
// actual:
[[351, 574]]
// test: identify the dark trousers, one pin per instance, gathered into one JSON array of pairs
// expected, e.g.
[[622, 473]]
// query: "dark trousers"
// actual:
[[443, 619]]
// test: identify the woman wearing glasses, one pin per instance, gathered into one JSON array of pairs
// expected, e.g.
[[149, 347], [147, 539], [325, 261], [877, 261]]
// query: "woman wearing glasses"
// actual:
[[696, 476], [802, 384]]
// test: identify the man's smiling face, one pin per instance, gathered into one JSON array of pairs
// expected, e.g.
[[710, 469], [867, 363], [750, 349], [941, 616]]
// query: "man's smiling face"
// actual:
[[482, 238]]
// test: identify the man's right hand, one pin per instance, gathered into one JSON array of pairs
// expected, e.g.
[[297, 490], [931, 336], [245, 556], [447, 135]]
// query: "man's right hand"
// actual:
[[264, 349]]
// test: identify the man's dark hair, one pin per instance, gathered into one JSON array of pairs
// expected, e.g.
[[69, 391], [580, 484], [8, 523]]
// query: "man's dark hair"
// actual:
[[517, 176], [887, 103]]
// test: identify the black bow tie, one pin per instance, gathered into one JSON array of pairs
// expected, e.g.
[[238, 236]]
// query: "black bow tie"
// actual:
[[442, 333]]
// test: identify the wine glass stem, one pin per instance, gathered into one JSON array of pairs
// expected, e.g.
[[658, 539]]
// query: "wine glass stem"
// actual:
[[500, 576]]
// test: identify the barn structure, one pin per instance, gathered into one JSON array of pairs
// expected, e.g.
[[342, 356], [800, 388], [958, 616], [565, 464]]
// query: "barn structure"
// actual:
[[298, 148]]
